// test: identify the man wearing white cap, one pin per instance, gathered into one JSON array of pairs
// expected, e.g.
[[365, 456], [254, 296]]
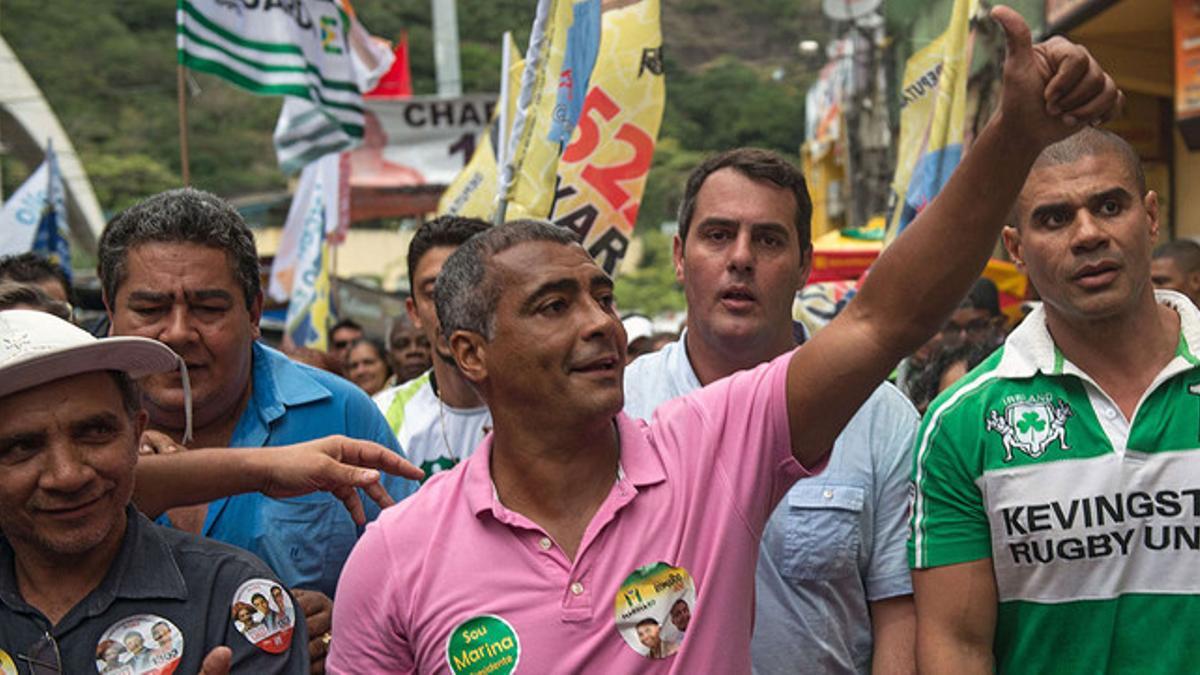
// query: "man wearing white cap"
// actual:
[[78, 563]]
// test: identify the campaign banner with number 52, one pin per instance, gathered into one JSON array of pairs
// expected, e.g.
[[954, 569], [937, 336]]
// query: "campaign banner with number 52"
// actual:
[[602, 173]]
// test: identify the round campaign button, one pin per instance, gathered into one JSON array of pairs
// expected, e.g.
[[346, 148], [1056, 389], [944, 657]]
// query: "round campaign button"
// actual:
[[262, 612], [653, 609], [7, 666], [142, 644], [485, 644]]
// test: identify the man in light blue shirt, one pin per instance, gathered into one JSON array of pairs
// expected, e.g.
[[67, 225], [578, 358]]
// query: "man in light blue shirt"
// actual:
[[833, 589], [181, 268]]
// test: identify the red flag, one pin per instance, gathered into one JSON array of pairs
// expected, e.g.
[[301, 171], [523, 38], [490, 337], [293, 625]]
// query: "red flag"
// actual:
[[397, 82]]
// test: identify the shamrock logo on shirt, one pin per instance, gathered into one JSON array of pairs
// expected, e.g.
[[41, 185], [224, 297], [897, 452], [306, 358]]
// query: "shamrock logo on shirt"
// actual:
[[1031, 420], [1030, 426]]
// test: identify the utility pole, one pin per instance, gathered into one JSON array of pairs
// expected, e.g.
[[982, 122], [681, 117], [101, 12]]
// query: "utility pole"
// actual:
[[445, 48]]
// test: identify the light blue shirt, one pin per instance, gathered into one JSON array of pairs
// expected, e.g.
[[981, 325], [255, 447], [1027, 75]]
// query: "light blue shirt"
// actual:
[[834, 544], [307, 539]]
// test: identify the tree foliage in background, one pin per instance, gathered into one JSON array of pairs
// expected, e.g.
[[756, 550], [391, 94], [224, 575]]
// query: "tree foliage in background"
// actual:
[[107, 67], [652, 288]]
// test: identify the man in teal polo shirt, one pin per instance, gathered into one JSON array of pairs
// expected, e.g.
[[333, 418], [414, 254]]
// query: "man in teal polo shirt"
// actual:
[[181, 267], [1056, 519]]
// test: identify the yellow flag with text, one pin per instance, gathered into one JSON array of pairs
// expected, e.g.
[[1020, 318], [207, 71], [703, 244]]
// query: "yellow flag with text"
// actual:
[[602, 172], [932, 118], [541, 124], [473, 192]]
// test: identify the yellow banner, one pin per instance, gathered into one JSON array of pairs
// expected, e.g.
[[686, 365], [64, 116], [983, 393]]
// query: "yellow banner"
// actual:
[[932, 114], [473, 192], [602, 172], [533, 156]]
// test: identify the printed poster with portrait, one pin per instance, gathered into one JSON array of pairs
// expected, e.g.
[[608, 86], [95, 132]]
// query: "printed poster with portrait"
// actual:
[[653, 609], [263, 613], [143, 644]]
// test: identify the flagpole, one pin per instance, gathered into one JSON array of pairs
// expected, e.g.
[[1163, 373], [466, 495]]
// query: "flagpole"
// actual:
[[502, 137], [183, 126]]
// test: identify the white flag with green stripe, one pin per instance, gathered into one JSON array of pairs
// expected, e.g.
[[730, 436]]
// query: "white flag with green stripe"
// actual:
[[299, 48]]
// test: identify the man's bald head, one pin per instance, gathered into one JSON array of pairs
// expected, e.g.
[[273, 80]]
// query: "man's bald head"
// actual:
[[1088, 142]]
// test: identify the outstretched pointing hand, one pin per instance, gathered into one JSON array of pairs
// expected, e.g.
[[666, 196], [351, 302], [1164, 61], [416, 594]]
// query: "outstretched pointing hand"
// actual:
[[1053, 88]]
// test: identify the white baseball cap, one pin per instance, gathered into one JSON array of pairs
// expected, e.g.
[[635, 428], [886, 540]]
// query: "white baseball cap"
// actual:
[[37, 347], [637, 326]]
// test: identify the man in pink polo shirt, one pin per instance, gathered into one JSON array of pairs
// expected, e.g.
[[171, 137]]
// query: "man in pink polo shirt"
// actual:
[[564, 542]]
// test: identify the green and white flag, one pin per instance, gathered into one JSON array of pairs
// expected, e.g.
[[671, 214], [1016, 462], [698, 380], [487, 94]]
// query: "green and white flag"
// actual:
[[305, 132], [299, 48]]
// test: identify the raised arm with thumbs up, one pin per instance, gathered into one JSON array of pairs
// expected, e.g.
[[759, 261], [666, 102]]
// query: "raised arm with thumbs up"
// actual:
[[1050, 91]]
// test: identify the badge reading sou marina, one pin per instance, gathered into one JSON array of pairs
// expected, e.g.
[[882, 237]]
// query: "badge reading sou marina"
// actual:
[[483, 645]]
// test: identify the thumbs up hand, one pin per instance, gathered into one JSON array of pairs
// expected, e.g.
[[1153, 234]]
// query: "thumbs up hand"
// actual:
[[1053, 88]]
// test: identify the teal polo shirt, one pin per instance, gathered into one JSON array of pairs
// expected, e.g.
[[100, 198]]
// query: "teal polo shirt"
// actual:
[[307, 539]]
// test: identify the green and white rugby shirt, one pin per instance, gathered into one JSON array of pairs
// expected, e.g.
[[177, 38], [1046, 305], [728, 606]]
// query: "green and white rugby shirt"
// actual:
[[1092, 522], [434, 436]]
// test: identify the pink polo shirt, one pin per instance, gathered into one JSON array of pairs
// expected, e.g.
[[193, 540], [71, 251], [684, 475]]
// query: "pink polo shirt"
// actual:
[[450, 581]]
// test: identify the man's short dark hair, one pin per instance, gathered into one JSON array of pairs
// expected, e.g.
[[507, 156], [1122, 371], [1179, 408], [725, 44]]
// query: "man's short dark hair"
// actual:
[[1090, 141], [186, 216], [758, 165], [467, 291], [646, 622], [441, 231], [31, 268], [1185, 253], [344, 323], [28, 296]]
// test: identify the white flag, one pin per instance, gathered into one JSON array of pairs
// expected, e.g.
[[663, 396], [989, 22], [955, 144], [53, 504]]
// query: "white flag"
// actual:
[[22, 212], [320, 198]]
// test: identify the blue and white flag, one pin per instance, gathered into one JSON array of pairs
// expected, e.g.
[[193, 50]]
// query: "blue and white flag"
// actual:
[[35, 217], [583, 46], [311, 222]]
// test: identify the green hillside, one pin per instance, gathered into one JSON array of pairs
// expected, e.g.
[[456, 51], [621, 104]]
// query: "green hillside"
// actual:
[[108, 69]]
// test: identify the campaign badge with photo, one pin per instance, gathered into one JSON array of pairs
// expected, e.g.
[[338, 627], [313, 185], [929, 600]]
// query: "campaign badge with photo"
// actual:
[[7, 666], [262, 612], [654, 609], [143, 644]]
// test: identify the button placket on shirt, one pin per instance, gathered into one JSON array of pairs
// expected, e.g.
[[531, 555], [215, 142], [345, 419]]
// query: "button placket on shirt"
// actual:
[[577, 596], [576, 600]]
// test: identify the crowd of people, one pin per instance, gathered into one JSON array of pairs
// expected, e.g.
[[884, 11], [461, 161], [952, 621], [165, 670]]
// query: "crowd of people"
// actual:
[[500, 484]]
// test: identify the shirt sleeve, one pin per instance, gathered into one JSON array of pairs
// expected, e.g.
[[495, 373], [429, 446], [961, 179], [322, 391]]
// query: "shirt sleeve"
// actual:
[[892, 435], [949, 522], [368, 619], [738, 426]]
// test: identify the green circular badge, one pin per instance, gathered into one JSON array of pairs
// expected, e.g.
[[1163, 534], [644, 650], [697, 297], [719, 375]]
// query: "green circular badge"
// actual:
[[483, 645]]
